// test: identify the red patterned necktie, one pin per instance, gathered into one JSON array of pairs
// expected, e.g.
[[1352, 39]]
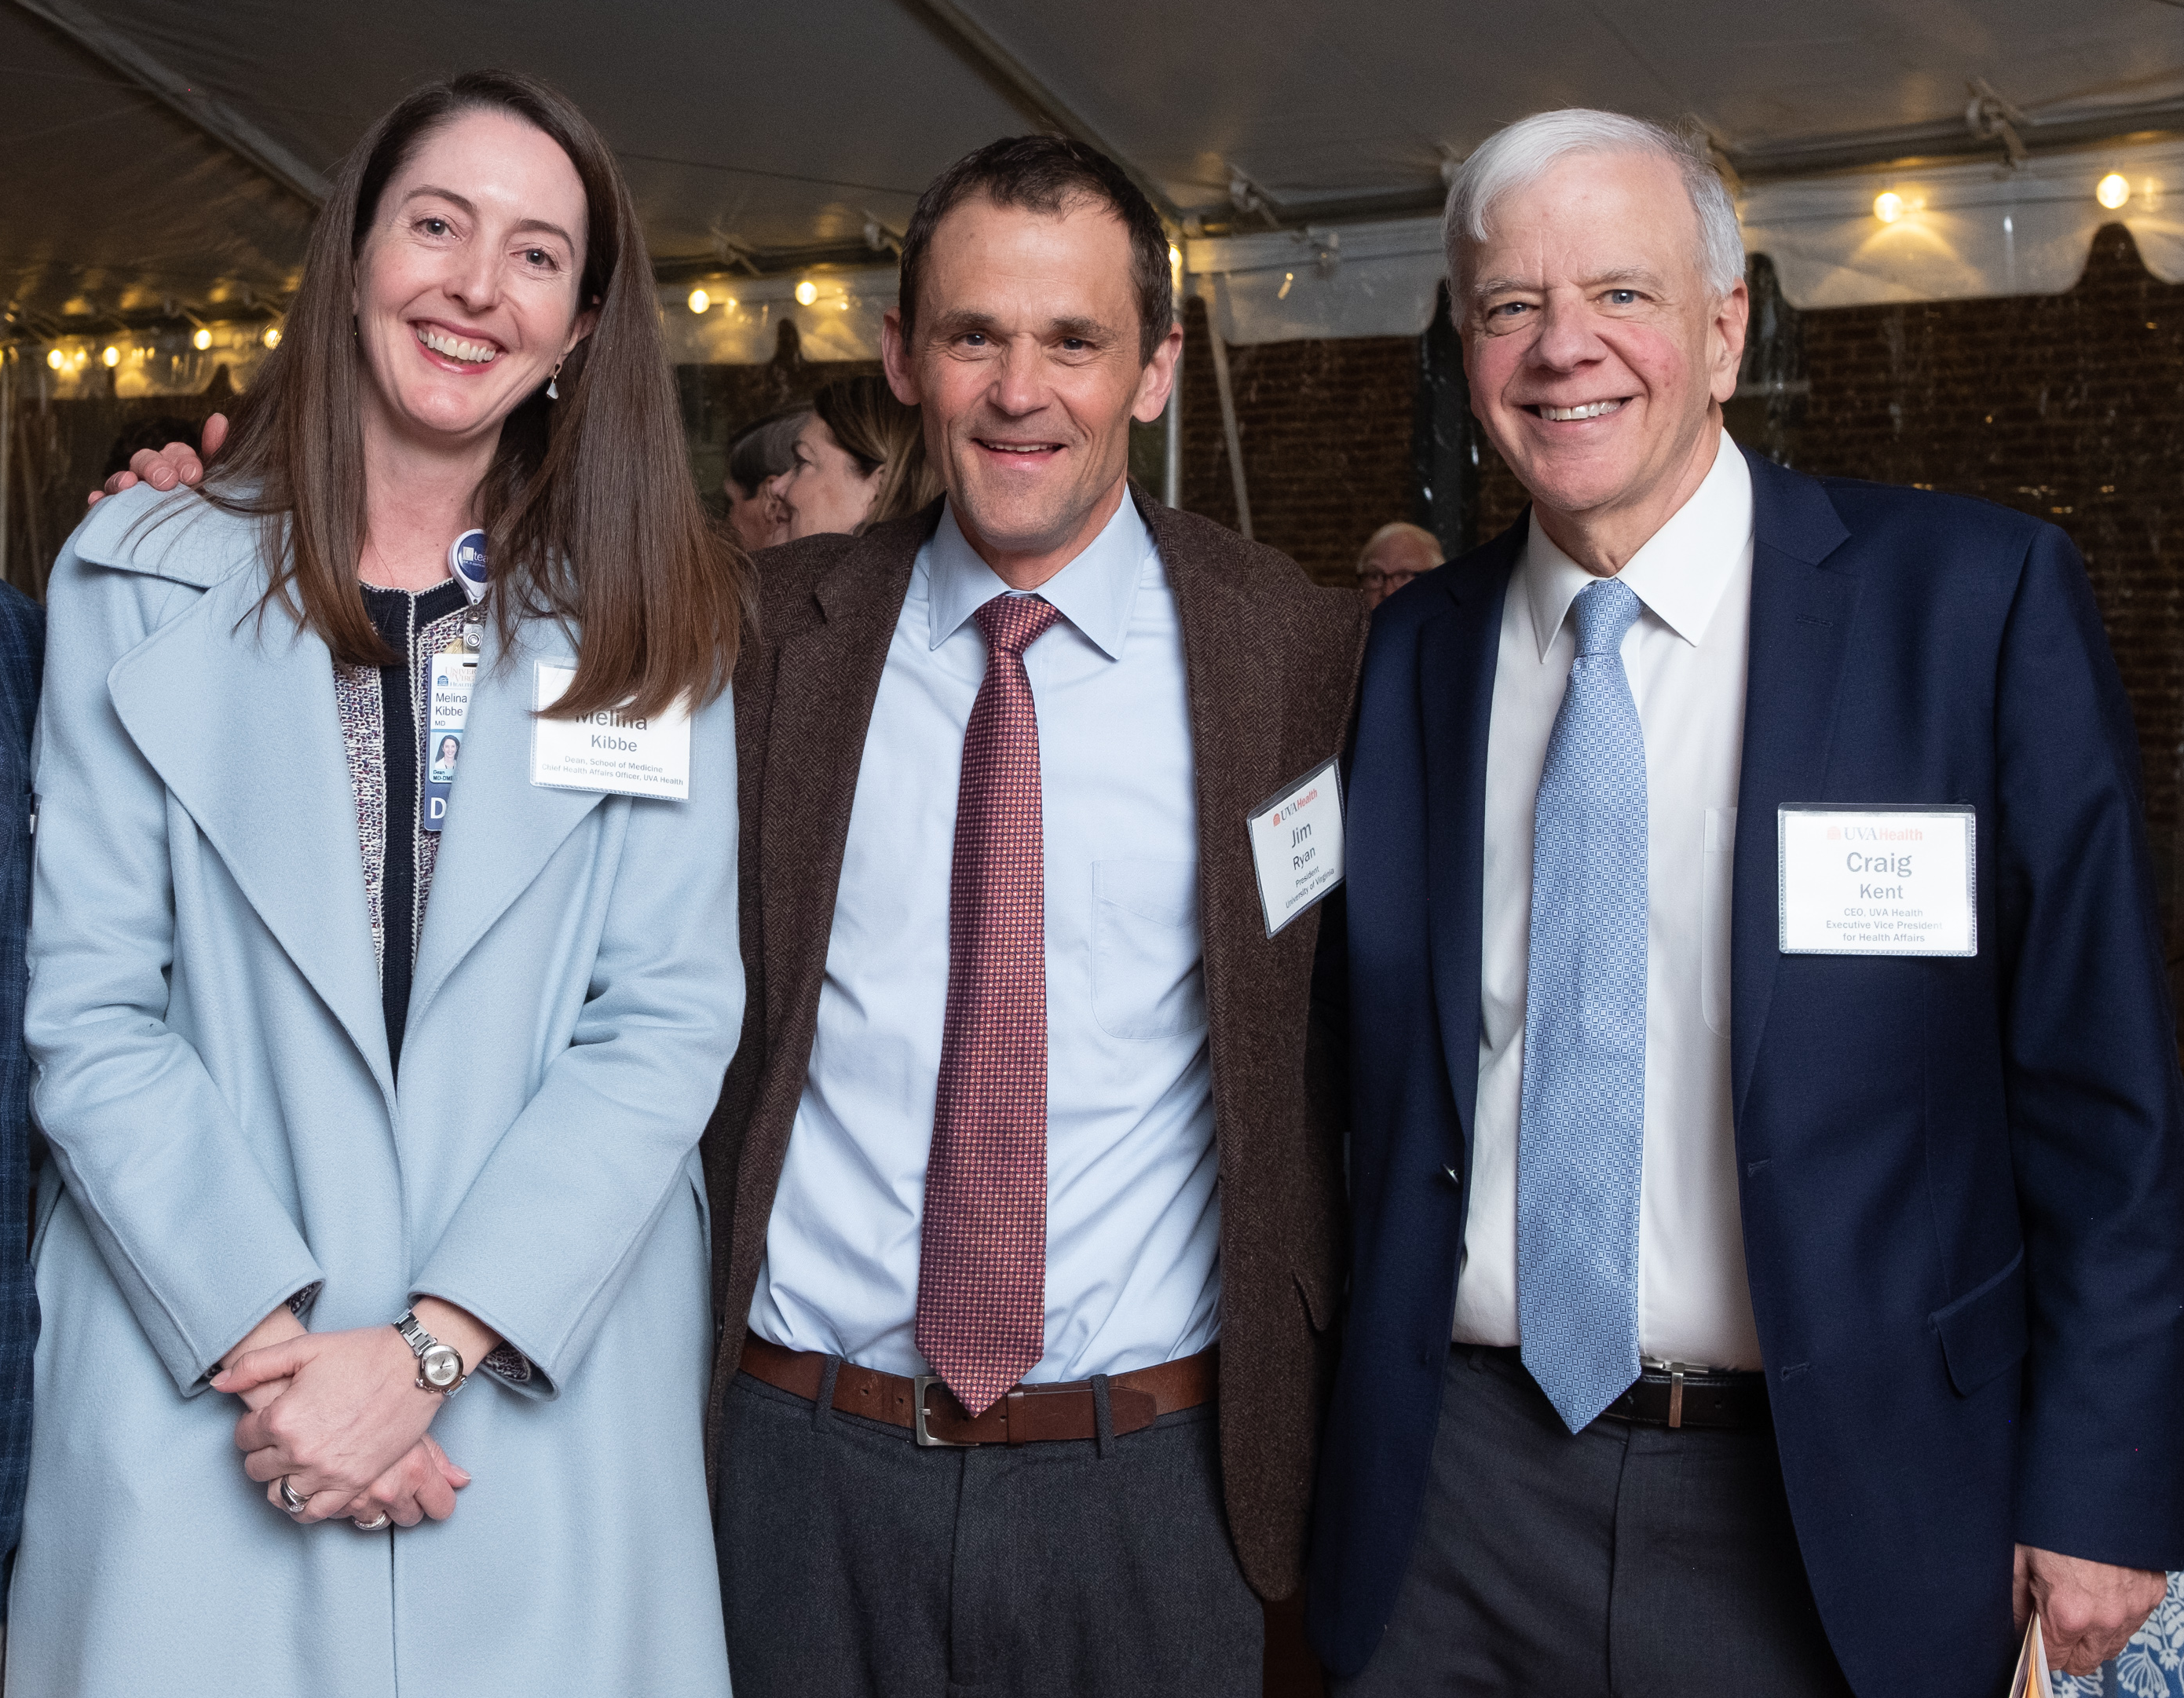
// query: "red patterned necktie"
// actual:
[[982, 1259]]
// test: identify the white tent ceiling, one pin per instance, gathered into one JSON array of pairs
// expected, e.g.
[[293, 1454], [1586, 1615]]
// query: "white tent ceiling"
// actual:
[[152, 151]]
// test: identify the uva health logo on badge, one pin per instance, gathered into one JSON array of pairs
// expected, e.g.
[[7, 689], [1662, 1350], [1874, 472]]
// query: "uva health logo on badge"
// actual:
[[1879, 881], [609, 750], [1297, 844]]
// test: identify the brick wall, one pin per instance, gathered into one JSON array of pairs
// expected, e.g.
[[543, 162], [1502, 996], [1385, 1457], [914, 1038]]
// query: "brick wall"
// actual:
[[1326, 433]]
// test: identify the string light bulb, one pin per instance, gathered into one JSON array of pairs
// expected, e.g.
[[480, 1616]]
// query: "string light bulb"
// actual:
[[2113, 190], [1888, 206], [806, 293], [700, 300], [272, 336], [112, 356], [201, 340], [57, 360]]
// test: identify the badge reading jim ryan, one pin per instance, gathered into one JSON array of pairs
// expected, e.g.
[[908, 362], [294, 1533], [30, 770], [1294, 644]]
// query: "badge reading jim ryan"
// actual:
[[1297, 844], [609, 750]]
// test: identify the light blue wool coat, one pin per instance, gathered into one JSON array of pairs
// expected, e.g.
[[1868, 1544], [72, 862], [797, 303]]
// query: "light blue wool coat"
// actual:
[[214, 1078]]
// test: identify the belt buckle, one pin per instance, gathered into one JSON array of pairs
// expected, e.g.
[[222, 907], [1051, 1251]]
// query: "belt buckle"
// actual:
[[919, 1385], [1675, 1372]]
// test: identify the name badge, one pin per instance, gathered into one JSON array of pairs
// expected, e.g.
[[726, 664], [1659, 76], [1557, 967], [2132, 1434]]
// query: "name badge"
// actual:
[[609, 750], [1297, 844], [1879, 881], [452, 676]]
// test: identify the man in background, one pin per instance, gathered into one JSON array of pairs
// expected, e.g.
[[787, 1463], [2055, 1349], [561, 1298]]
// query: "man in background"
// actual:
[[1394, 555]]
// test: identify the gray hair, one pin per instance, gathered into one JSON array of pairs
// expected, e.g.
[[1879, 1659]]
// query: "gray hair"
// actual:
[[1519, 156]]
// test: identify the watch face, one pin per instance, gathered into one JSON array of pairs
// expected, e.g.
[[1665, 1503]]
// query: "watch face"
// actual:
[[441, 1367]]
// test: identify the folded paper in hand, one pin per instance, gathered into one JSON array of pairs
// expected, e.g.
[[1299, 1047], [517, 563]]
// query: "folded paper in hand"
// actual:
[[2031, 1680]]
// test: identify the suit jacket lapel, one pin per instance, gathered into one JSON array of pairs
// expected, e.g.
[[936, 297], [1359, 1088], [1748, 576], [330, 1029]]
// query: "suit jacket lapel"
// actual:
[[1458, 655], [501, 828], [236, 714], [1801, 633], [826, 677]]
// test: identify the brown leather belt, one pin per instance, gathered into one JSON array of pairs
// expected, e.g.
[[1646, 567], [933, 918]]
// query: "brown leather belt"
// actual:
[[1026, 1414]]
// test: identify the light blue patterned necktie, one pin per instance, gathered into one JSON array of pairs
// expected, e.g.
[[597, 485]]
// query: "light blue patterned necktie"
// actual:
[[1581, 1132]]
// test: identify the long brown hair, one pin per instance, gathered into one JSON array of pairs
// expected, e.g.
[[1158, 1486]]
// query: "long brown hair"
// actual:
[[590, 514], [881, 435]]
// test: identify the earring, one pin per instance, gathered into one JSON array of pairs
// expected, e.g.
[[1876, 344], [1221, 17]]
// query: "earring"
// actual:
[[553, 384]]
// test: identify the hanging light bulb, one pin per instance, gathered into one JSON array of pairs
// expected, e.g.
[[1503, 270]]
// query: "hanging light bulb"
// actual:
[[2113, 190], [806, 293], [112, 356], [272, 336], [57, 360], [1888, 206], [201, 340], [700, 300]]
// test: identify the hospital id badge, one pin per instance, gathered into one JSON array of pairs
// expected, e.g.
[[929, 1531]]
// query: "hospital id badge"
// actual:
[[449, 680], [1297, 844], [1879, 881], [611, 749]]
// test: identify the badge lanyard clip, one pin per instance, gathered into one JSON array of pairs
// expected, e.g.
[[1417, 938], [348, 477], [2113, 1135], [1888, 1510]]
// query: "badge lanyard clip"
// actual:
[[450, 679]]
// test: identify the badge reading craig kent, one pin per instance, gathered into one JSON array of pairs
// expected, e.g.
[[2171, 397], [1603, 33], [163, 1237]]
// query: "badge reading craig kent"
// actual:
[[1297, 844], [1879, 881], [609, 750]]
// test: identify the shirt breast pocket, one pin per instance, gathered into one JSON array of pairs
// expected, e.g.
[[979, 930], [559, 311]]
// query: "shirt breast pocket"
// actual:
[[1148, 974]]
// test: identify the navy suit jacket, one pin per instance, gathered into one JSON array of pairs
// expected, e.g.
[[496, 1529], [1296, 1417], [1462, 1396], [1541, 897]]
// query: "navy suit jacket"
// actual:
[[1961, 1191], [22, 654]]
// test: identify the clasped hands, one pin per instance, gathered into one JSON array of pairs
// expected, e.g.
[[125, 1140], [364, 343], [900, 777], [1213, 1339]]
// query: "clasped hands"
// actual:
[[340, 1418]]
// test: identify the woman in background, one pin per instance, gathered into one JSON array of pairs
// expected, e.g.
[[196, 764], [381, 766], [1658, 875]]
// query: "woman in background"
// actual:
[[859, 461], [348, 1111]]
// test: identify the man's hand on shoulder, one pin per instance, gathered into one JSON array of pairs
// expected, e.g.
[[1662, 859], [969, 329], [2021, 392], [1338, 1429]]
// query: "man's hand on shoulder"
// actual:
[[2088, 1611], [177, 463]]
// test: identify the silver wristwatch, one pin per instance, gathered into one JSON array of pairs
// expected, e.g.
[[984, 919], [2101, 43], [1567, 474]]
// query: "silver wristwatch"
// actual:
[[439, 1367]]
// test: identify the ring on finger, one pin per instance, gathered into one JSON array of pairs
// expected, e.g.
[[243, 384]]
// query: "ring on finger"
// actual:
[[292, 1500], [384, 1518]]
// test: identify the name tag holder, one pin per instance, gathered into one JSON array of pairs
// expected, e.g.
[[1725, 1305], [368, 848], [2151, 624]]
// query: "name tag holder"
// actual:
[[1898, 881], [1297, 842]]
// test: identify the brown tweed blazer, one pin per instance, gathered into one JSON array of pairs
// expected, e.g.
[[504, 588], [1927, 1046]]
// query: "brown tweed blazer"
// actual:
[[1271, 662]]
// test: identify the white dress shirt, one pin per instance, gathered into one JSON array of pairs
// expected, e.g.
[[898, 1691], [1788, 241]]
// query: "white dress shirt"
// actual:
[[1686, 659], [1132, 1215]]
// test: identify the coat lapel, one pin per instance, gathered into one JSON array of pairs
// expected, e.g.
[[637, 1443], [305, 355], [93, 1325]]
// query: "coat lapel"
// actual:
[[1457, 654], [501, 828], [825, 679], [1800, 632], [236, 714]]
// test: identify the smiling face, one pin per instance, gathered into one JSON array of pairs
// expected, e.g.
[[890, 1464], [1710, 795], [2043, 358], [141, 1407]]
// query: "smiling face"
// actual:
[[826, 489], [467, 280], [1026, 365], [1598, 355]]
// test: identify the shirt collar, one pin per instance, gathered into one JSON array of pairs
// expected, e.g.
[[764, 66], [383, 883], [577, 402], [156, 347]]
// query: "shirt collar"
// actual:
[[1094, 592], [1680, 573]]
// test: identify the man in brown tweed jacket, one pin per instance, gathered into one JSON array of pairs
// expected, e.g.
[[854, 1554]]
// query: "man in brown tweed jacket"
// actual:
[[1104, 1527]]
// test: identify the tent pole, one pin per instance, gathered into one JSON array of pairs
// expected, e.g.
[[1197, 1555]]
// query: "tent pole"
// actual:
[[1228, 416], [1172, 468], [6, 442]]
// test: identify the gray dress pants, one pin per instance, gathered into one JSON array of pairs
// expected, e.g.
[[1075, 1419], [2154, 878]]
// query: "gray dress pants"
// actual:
[[1624, 1560], [854, 1562]]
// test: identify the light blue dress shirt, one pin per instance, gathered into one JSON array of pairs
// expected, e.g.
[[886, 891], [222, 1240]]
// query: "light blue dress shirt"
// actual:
[[1131, 1216]]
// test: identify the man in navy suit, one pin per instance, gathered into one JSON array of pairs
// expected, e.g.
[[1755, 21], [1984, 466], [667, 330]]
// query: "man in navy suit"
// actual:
[[22, 655], [1769, 1248]]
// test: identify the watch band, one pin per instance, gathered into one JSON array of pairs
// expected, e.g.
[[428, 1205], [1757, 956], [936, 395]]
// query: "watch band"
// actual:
[[440, 1368]]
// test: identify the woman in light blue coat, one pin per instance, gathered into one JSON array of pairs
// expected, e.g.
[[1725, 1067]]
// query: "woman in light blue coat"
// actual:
[[323, 1046]]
